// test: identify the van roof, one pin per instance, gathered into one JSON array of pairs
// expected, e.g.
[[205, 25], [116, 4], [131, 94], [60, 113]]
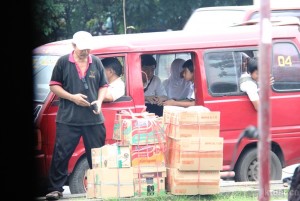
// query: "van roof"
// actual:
[[273, 6], [172, 40]]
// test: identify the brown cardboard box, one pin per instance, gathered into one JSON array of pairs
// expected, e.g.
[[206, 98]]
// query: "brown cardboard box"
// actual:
[[90, 191], [139, 129], [193, 154], [149, 181], [193, 182], [192, 130], [113, 182], [148, 155], [179, 116], [147, 171], [118, 123], [150, 186], [111, 156]]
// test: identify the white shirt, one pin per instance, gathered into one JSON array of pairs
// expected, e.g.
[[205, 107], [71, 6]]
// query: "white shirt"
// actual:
[[155, 88], [116, 88], [191, 95], [249, 86]]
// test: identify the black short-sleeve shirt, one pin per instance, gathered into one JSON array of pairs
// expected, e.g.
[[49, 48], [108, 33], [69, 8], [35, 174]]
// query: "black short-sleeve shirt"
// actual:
[[66, 75]]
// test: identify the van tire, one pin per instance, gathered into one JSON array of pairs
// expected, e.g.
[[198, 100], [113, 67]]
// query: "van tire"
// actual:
[[77, 179], [246, 168]]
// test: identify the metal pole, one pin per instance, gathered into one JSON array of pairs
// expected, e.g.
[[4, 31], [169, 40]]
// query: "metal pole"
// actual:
[[264, 118]]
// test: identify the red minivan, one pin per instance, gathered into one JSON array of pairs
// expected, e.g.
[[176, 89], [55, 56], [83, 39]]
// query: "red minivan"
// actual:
[[218, 59]]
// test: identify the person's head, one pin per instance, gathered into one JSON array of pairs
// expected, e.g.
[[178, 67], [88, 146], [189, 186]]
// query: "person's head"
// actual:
[[176, 69], [82, 43], [252, 68], [112, 67], [188, 70], [148, 67]]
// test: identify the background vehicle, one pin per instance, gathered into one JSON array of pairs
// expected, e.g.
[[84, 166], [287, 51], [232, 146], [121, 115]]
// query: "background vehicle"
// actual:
[[218, 61], [224, 16]]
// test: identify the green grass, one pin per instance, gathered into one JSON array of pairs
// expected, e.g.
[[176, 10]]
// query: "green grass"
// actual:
[[234, 196]]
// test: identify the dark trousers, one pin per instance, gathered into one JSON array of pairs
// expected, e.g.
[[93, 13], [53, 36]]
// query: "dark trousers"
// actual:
[[67, 139], [153, 108]]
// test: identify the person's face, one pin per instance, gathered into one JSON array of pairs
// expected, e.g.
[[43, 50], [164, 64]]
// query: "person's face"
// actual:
[[149, 71], [82, 54], [109, 72], [254, 75], [187, 74]]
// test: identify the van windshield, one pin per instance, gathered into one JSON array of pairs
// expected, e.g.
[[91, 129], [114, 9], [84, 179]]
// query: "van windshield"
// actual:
[[42, 71], [212, 19]]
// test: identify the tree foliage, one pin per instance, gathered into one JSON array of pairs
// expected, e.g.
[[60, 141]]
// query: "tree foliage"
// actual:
[[59, 19]]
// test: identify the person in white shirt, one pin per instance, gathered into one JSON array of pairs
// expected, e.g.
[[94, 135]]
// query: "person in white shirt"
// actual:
[[188, 74], [154, 92], [249, 81], [176, 86], [113, 71]]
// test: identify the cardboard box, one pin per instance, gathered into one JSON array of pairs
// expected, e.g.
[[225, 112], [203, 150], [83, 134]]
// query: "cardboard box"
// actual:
[[188, 116], [193, 154], [111, 156], [148, 155], [193, 182], [149, 172], [192, 130], [149, 181], [90, 191], [117, 133], [113, 182], [139, 130], [149, 186]]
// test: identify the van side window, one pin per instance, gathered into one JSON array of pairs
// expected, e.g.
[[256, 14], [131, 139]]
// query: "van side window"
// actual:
[[286, 67], [223, 70]]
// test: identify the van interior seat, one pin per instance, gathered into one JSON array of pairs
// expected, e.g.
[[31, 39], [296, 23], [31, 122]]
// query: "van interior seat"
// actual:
[[223, 87]]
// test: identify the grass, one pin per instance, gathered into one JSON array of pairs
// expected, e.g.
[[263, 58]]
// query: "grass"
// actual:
[[234, 196]]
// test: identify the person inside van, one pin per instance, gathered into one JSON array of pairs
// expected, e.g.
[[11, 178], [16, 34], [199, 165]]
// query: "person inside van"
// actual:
[[176, 86], [188, 75], [113, 71], [154, 92], [249, 81]]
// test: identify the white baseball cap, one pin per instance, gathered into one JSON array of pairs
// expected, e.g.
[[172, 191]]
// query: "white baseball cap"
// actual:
[[83, 40]]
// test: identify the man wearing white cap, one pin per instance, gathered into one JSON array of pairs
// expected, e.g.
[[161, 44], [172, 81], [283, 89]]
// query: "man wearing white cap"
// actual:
[[79, 80]]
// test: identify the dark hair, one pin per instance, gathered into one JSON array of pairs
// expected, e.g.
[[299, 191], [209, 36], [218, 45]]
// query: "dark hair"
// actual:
[[252, 65], [113, 63], [148, 60], [189, 65]]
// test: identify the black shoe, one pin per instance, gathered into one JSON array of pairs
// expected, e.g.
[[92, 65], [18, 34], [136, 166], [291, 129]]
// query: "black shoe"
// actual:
[[54, 195]]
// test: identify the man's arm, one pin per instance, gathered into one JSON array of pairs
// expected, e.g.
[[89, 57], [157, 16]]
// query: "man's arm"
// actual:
[[182, 103], [101, 94]]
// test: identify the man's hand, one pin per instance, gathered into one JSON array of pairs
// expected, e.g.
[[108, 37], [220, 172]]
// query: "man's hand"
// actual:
[[96, 107], [80, 99]]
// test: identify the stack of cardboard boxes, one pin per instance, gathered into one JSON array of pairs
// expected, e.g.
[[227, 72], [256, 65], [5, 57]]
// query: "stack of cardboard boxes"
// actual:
[[194, 150], [136, 162], [112, 174], [181, 152]]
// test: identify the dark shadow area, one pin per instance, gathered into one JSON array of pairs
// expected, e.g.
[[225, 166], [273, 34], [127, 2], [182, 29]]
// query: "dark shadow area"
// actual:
[[16, 95]]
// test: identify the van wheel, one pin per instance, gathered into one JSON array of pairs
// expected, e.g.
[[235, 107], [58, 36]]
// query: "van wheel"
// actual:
[[77, 180], [246, 169]]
